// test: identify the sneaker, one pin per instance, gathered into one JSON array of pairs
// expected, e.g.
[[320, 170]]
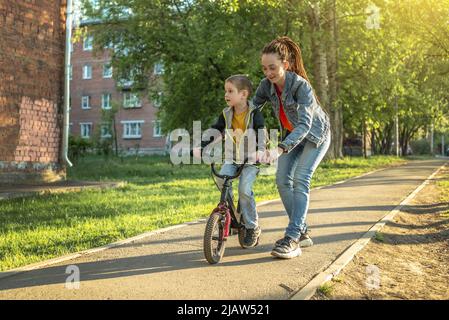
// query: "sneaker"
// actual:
[[251, 237], [304, 241], [286, 249]]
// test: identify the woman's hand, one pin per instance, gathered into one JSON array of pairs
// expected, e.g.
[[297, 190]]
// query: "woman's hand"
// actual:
[[272, 155]]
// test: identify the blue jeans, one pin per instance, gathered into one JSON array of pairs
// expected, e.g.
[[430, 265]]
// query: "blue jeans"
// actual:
[[293, 176], [246, 194]]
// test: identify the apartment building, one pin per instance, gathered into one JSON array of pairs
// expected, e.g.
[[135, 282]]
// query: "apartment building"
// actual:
[[94, 89]]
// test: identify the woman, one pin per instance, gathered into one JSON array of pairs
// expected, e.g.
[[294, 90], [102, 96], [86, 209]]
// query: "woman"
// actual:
[[305, 136]]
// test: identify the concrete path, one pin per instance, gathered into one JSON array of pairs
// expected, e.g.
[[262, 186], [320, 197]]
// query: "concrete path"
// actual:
[[171, 265]]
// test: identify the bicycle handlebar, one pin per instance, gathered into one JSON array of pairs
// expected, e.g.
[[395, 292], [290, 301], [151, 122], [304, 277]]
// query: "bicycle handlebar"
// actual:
[[239, 171]]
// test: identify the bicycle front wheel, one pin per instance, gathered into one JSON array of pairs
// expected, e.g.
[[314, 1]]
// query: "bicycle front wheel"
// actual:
[[214, 244]]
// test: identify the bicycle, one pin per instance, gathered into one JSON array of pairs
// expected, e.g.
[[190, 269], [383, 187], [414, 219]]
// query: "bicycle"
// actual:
[[224, 220]]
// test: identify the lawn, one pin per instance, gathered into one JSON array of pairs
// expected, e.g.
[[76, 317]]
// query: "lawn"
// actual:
[[156, 195]]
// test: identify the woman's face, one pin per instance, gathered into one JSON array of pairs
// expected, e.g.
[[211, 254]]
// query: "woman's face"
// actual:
[[274, 68]]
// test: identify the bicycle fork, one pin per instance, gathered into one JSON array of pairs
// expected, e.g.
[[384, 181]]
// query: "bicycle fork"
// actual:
[[223, 209]]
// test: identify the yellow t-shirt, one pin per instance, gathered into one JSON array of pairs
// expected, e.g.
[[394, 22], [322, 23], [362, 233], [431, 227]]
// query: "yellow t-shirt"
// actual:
[[238, 122]]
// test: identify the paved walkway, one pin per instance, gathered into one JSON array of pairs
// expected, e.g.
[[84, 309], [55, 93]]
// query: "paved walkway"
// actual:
[[171, 265]]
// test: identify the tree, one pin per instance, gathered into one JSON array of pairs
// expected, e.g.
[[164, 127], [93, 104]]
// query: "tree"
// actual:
[[359, 73]]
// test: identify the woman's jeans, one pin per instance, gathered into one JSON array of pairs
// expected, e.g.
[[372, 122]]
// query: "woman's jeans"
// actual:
[[293, 176], [246, 195]]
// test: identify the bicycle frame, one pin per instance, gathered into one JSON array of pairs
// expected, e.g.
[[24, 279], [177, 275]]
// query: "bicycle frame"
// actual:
[[226, 206]]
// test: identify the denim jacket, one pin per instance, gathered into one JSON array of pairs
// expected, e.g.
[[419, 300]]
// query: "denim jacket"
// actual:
[[309, 120]]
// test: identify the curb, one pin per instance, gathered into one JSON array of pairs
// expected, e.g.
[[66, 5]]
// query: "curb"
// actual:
[[72, 256], [308, 291]]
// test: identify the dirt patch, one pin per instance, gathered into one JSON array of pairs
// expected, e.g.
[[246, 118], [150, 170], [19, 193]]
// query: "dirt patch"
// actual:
[[408, 259]]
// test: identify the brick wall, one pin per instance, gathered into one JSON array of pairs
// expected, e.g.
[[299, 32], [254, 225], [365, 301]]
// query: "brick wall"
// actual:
[[32, 42]]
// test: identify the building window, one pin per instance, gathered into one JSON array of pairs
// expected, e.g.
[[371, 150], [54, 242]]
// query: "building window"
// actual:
[[88, 43], [86, 129], [87, 71], [157, 100], [131, 100], [106, 131], [106, 101], [107, 70], [157, 132], [159, 68], [85, 102], [132, 129], [109, 45]]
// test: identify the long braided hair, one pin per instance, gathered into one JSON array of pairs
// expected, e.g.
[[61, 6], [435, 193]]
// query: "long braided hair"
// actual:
[[289, 51]]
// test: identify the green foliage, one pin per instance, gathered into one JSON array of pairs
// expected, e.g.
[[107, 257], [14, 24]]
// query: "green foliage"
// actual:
[[104, 142], [420, 147], [405, 63], [104, 146], [326, 289], [379, 237], [201, 43], [79, 147]]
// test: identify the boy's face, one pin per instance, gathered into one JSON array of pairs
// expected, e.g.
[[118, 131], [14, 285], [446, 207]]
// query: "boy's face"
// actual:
[[233, 96]]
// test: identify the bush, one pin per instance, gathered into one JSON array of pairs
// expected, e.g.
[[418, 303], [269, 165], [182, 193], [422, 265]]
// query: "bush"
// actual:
[[104, 146], [420, 146], [78, 147]]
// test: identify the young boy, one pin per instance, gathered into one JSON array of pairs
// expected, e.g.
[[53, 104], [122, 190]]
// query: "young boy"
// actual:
[[241, 121]]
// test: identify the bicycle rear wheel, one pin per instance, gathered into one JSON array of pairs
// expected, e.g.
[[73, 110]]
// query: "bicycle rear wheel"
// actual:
[[212, 245]]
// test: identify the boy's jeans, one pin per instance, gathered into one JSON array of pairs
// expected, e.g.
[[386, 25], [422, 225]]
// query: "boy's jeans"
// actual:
[[293, 176], [246, 195]]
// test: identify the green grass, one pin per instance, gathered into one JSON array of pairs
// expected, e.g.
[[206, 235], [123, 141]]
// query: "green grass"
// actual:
[[156, 195], [379, 237], [443, 185], [326, 289], [338, 279]]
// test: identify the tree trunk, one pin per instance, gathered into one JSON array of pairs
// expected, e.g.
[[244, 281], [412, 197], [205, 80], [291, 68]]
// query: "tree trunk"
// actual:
[[319, 61], [374, 149], [336, 113], [385, 138]]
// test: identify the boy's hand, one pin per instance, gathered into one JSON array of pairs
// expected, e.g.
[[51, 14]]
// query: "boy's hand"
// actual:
[[197, 153], [260, 156], [266, 157]]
